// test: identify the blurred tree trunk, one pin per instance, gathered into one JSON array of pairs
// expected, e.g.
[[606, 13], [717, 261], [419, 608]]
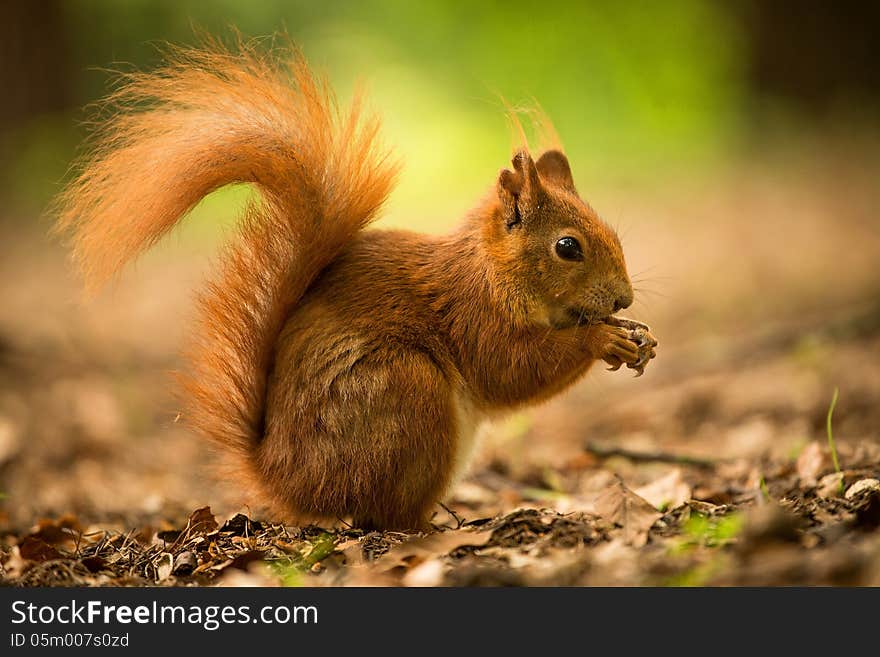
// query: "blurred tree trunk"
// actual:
[[35, 55], [813, 54]]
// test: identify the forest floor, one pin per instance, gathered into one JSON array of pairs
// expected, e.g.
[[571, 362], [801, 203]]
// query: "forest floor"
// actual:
[[715, 468]]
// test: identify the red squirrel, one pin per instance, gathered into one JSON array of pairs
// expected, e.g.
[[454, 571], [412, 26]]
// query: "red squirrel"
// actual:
[[343, 372]]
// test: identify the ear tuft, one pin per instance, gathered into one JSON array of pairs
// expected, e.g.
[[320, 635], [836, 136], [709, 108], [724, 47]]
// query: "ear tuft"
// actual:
[[525, 167], [553, 167], [518, 190], [510, 182]]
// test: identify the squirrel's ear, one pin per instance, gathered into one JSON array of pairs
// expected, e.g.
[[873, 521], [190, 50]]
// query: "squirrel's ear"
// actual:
[[518, 189], [553, 166]]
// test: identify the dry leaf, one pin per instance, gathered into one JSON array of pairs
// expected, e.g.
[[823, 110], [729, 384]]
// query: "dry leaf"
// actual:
[[202, 521], [860, 487], [618, 504], [65, 532], [812, 462], [668, 492], [185, 563], [421, 548], [164, 564], [830, 485], [14, 564], [36, 549]]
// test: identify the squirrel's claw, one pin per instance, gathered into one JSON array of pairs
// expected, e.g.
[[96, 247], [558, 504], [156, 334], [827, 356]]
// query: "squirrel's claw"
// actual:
[[644, 357]]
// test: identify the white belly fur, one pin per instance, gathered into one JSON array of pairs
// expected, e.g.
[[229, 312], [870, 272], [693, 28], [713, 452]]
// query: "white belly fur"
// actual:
[[470, 425]]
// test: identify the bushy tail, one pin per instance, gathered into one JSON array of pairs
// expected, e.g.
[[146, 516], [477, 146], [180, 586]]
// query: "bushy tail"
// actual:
[[210, 117]]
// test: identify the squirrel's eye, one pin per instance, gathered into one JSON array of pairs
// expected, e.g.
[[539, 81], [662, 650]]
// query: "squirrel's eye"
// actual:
[[568, 248]]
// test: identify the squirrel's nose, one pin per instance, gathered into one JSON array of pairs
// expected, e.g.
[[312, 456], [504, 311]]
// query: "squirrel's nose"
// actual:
[[624, 301]]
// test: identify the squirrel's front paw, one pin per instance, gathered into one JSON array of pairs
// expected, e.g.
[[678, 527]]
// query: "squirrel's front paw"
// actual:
[[618, 347], [638, 335]]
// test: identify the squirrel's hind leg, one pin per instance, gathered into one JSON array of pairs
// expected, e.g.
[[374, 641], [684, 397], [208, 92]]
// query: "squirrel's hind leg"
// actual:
[[368, 435]]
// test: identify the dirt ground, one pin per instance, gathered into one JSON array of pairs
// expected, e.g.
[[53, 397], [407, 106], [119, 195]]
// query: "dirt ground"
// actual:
[[714, 468]]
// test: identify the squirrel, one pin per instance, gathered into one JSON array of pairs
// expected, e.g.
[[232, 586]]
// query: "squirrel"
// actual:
[[343, 372]]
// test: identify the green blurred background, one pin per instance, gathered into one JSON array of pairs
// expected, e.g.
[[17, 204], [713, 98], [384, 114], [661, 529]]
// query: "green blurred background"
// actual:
[[643, 94]]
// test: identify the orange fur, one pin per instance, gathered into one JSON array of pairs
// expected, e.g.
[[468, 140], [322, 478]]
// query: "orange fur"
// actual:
[[342, 371]]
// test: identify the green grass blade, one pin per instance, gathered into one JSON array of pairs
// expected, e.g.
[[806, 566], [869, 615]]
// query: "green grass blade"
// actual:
[[831, 435]]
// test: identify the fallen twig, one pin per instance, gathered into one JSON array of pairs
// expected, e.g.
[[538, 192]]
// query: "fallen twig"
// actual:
[[603, 451]]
